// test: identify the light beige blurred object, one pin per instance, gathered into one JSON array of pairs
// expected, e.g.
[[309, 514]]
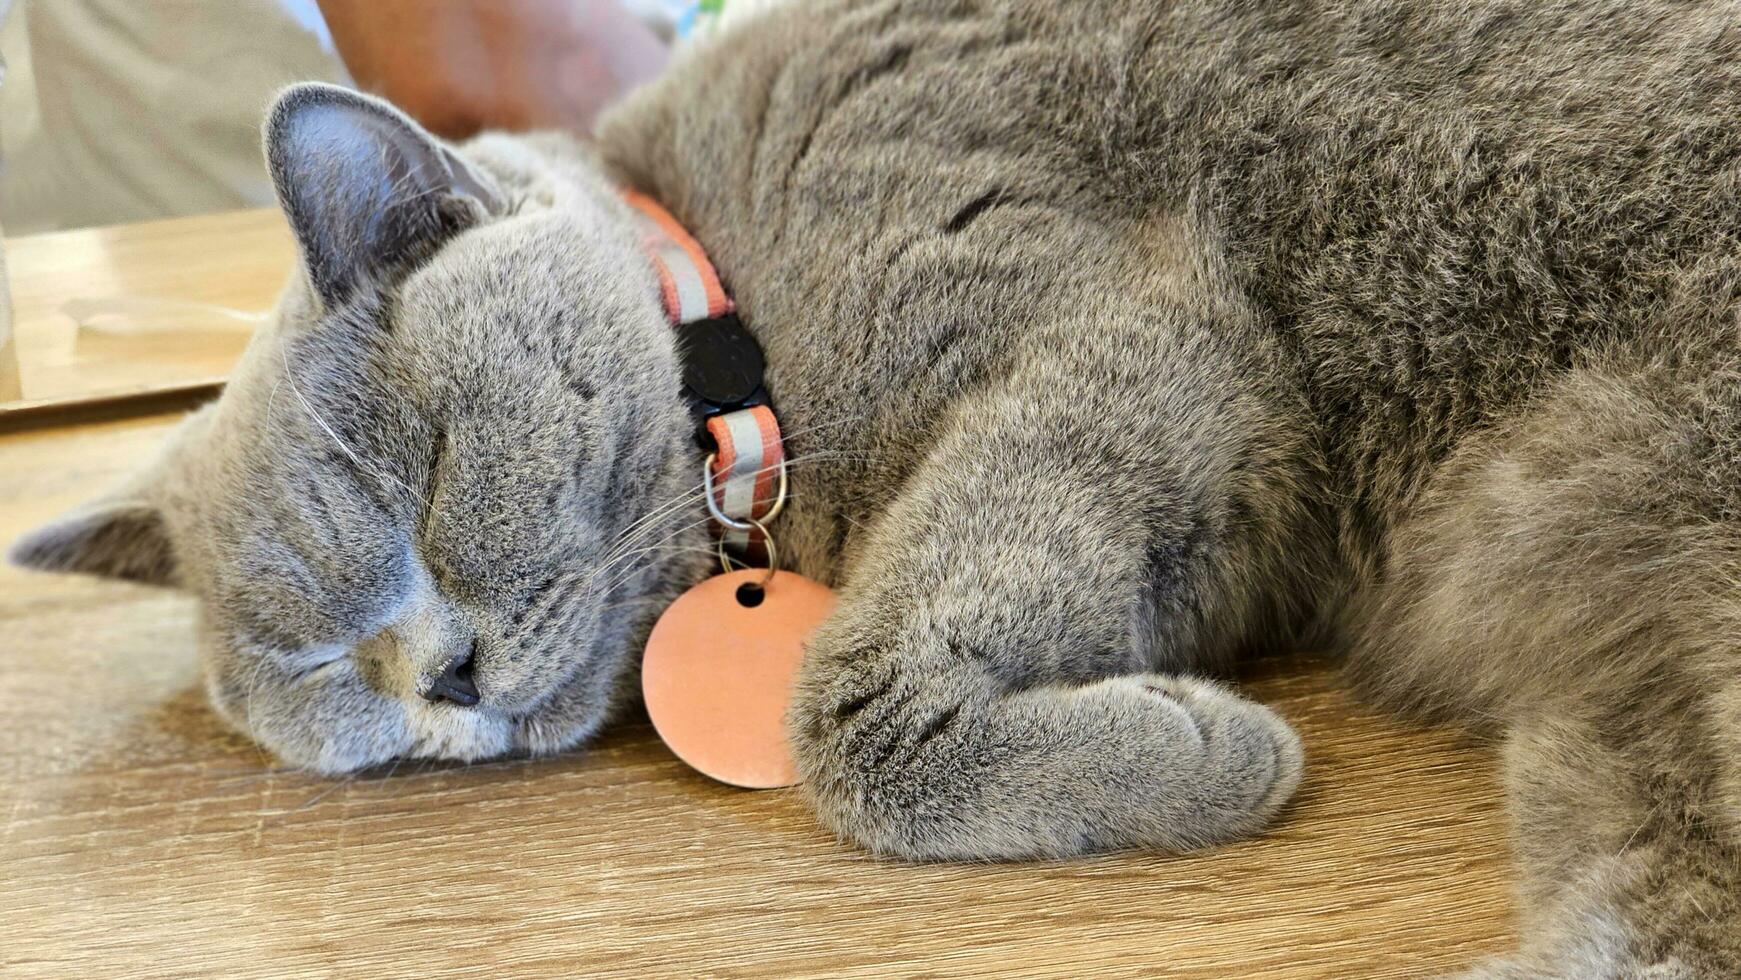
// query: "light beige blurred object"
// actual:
[[10, 387], [129, 110], [144, 311]]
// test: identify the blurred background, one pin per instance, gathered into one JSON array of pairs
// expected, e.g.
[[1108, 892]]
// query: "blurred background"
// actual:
[[124, 110], [115, 113]]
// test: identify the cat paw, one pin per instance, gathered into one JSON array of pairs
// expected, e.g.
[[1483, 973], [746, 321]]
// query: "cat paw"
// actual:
[[916, 768], [1252, 757]]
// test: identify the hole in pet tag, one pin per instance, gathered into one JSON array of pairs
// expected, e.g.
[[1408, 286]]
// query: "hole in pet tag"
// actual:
[[719, 670]]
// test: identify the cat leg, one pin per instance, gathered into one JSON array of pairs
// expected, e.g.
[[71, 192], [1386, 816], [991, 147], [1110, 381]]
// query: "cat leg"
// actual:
[[1623, 873], [1002, 676], [1570, 583]]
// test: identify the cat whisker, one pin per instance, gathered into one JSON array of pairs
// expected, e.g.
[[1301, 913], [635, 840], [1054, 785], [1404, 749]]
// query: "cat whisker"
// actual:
[[788, 435], [620, 556], [694, 491], [694, 496], [249, 688], [338, 784], [691, 494], [629, 573], [638, 601]]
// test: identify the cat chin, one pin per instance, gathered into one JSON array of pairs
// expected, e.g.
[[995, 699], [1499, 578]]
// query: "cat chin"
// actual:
[[442, 731], [571, 715], [395, 731], [423, 731], [343, 725]]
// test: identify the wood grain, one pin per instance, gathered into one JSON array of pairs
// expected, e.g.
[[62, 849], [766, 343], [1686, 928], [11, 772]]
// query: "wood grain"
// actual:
[[142, 839], [11, 389], [171, 290]]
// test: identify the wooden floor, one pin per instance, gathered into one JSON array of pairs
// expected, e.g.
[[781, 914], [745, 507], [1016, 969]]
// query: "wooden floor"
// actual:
[[141, 838]]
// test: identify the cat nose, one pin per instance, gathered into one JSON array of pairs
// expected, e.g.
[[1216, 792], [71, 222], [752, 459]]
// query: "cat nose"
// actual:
[[455, 683]]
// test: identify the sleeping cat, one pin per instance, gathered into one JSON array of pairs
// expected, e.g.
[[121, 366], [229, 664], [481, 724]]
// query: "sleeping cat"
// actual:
[[1112, 340]]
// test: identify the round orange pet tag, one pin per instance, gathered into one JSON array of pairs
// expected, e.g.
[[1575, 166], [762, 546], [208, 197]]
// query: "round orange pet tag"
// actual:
[[718, 673]]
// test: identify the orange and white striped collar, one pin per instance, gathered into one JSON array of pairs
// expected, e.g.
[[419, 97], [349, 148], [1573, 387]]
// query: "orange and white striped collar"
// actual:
[[722, 377]]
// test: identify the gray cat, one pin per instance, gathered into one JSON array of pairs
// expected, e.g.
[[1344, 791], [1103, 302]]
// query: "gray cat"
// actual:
[[1113, 339]]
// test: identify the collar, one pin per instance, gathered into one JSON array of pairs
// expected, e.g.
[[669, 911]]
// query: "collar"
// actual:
[[722, 378]]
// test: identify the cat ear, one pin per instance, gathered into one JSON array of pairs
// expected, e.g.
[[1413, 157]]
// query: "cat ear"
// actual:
[[368, 191], [121, 537]]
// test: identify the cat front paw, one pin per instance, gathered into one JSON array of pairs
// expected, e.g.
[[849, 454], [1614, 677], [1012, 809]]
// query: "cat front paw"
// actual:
[[1250, 751], [920, 766]]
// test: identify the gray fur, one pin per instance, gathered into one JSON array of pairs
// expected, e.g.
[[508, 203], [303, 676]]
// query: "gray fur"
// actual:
[[1113, 339]]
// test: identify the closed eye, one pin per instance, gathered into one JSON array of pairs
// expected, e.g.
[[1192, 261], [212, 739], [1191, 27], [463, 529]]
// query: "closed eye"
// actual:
[[432, 476], [431, 484]]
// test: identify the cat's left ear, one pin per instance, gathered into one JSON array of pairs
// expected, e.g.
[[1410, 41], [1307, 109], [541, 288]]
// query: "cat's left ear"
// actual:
[[368, 191], [116, 537], [122, 533]]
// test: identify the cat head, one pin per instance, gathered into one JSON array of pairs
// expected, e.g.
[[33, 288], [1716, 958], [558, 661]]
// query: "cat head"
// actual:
[[433, 474]]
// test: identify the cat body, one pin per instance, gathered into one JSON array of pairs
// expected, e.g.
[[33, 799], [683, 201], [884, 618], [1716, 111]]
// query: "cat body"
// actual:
[[1111, 340]]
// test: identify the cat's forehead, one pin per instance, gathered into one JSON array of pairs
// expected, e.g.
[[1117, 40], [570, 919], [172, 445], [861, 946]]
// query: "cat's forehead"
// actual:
[[527, 258], [530, 297], [535, 327]]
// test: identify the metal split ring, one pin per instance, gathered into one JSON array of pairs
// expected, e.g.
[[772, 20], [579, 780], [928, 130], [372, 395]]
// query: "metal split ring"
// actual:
[[732, 522], [744, 524], [767, 542]]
